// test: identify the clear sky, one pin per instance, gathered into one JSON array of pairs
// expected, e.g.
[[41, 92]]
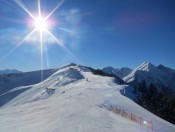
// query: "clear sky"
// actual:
[[96, 33]]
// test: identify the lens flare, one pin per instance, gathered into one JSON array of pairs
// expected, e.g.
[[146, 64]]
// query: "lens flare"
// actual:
[[41, 25]]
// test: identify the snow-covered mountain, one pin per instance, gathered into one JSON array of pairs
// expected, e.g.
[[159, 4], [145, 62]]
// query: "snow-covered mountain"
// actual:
[[160, 75], [10, 81], [108, 69], [70, 100], [9, 71], [122, 72]]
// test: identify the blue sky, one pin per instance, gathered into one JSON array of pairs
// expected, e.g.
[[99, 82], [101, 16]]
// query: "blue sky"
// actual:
[[98, 33]]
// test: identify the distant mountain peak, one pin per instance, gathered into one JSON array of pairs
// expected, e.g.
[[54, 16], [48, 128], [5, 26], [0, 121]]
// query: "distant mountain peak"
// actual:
[[9, 71], [122, 72], [146, 66], [162, 67], [165, 69], [158, 75], [124, 68], [72, 64], [147, 63], [108, 69]]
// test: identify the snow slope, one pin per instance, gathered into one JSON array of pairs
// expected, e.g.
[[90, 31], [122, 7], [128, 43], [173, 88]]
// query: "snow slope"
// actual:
[[151, 74], [10, 81], [74, 106]]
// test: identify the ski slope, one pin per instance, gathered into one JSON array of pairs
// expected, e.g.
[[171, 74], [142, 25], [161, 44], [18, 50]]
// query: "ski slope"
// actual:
[[74, 106]]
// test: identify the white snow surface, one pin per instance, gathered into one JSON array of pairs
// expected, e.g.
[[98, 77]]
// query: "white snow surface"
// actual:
[[10, 81], [73, 106]]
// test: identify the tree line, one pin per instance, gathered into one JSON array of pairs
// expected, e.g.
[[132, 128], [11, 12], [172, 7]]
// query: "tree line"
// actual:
[[101, 73]]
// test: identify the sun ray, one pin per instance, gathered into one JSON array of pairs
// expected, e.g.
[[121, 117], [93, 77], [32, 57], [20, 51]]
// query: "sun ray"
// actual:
[[41, 25], [11, 51], [66, 30], [46, 56], [24, 8], [54, 9], [58, 41], [41, 54], [39, 8], [62, 45]]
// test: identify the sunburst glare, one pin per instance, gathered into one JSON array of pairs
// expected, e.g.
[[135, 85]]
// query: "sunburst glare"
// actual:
[[42, 26]]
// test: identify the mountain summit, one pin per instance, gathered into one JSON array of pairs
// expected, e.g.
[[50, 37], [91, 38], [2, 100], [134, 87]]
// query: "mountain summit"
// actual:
[[108, 69], [158, 75], [146, 66]]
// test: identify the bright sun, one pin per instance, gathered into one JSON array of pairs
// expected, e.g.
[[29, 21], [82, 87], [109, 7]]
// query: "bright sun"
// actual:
[[40, 24]]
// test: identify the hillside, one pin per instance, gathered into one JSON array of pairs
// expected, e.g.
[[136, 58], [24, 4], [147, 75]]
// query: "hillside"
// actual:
[[70, 100], [12, 80]]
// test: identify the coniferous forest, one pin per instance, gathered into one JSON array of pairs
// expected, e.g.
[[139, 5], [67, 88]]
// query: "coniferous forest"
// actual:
[[157, 101]]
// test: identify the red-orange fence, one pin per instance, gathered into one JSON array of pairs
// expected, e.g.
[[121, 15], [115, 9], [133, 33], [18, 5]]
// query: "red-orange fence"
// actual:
[[132, 117]]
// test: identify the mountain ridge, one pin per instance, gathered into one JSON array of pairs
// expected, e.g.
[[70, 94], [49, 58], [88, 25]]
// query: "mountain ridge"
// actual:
[[152, 74], [10, 71], [70, 99]]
